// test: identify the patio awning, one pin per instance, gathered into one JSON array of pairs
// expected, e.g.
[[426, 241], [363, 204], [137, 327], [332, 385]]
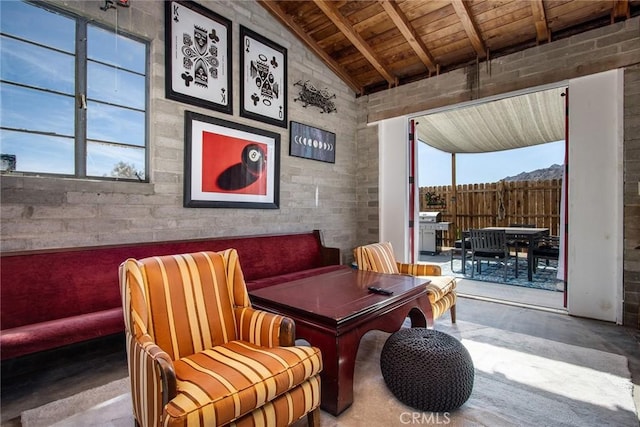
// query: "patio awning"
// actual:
[[505, 124]]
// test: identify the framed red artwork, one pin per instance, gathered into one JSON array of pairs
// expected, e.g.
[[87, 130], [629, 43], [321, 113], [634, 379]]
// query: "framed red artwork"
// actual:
[[229, 165]]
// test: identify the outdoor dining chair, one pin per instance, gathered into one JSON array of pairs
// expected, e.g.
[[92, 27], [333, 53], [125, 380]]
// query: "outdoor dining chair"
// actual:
[[457, 250], [489, 245], [547, 248]]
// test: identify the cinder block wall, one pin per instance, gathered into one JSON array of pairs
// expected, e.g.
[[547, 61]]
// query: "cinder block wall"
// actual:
[[631, 256], [45, 212], [612, 47]]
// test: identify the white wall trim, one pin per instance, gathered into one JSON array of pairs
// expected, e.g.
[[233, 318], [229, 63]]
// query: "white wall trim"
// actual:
[[595, 202], [393, 185]]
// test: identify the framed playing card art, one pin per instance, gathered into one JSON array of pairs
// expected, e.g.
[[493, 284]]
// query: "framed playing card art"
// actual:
[[263, 79], [230, 165], [198, 56]]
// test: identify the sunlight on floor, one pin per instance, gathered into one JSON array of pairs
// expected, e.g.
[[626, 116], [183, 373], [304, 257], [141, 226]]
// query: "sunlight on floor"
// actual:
[[513, 294], [586, 380]]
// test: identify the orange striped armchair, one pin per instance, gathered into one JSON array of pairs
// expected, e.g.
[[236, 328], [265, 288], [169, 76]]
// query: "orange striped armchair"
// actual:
[[441, 290], [200, 355]]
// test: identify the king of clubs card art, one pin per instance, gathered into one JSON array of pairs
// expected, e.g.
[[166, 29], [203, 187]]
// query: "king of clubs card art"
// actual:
[[263, 91], [198, 52]]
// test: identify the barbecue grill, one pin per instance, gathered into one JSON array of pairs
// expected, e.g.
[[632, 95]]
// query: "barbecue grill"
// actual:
[[431, 232]]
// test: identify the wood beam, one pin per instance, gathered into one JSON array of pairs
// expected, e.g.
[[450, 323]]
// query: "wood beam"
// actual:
[[289, 23], [462, 10], [409, 33], [620, 10], [330, 9], [543, 34]]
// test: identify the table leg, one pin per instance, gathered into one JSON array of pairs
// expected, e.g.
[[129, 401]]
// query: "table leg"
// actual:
[[337, 369], [463, 256], [340, 348], [530, 258]]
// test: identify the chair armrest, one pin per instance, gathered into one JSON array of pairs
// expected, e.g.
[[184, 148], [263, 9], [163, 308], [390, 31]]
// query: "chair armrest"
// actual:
[[149, 364], [287, 332], [419, 269], [263, 328]]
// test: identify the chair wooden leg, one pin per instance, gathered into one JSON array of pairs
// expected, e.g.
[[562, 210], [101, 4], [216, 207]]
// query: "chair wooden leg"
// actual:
[[313, 418], [452, 310]]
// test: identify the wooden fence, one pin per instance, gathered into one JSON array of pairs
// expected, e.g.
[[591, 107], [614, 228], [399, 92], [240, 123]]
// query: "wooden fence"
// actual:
[[495, 204]]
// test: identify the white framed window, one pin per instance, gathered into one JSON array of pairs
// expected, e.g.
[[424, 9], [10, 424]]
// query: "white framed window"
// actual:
[[73, 96]]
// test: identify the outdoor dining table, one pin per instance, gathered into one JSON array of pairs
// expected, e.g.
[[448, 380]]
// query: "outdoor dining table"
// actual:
[[529, 235]]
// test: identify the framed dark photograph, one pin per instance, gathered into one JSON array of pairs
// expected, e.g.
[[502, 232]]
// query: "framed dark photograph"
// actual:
[[198, 56], [312, 143], [230, 165], [263, 79]]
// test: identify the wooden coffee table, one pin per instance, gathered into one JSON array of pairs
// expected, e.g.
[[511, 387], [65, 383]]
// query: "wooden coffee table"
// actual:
[[332, 311]]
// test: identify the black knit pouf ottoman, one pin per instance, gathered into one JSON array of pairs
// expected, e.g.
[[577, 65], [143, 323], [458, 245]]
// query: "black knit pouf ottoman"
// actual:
[[426, 369]]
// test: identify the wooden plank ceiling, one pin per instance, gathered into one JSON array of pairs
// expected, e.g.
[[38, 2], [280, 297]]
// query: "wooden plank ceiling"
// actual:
[[374, 45]]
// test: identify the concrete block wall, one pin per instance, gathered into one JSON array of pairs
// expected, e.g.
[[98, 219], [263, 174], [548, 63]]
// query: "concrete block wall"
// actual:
[[367, 177], [46, 212], [612, 47], [631, 155]]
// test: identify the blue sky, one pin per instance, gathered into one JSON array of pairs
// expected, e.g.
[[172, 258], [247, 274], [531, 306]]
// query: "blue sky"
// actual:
[[435, 165]]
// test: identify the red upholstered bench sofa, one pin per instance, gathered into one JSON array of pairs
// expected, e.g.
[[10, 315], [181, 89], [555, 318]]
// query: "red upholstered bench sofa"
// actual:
[[52, 298]]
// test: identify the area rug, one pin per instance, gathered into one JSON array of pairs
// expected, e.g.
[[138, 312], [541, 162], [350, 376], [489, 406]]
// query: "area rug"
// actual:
[[543, 278], [520, 380]]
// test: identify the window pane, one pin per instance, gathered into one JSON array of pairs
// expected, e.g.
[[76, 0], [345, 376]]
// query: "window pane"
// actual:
[[39, 153], [105, 46], [115, 124], [107, 160], [36, 66], [38, 25], [115, 86], [38, 95], [36, 110]]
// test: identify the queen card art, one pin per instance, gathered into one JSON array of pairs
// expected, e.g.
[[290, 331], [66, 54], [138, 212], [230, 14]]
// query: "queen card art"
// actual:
[[263, 92], [198, 53]]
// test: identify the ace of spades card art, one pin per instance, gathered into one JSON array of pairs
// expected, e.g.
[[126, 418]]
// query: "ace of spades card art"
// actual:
[[263, 80], [198, 56]]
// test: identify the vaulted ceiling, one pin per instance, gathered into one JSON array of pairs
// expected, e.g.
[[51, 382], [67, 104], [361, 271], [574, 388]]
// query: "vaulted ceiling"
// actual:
[[374, 45]]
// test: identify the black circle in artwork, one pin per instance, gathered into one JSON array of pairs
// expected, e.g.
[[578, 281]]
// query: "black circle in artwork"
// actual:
[[253, 159], [245, 173]]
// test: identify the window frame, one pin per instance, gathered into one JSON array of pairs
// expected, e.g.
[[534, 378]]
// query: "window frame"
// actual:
[[80, 116]]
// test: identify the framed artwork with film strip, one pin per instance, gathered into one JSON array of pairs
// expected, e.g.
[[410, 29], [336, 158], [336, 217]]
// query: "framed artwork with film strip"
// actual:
[[312, 143], [230, 165], [198, 56]]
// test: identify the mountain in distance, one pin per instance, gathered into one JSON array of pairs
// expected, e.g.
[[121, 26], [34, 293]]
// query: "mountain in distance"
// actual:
[[552, 172]]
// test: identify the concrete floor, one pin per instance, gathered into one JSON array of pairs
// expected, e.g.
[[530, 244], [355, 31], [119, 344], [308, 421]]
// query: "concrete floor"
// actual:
[[501, 292], [35, 381]]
